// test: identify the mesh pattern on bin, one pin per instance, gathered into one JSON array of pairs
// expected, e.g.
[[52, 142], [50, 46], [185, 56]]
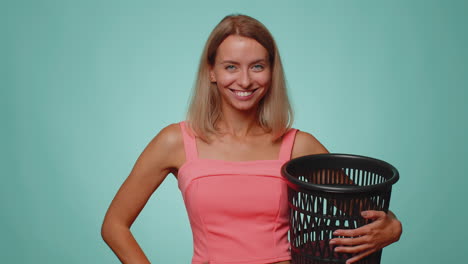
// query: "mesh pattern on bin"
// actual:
[[324, 196]]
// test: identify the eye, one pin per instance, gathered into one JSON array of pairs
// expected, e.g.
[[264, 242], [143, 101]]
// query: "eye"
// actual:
[[230, 67], [258, 67]]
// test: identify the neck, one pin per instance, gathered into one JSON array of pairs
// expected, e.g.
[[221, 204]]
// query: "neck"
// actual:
[[239, 123]]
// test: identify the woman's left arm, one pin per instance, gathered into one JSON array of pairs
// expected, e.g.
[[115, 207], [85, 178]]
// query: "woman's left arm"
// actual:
[[365, 240], [384, 230]]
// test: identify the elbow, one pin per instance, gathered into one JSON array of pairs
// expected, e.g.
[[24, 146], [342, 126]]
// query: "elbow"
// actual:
[[397, 226], [105, 231], [111, 230], [108, 230], [399, 230]]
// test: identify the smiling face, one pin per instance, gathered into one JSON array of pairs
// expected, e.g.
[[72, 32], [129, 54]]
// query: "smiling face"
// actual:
[[242, 73]]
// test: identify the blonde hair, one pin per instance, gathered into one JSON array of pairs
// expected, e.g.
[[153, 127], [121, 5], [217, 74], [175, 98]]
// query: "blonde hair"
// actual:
[[274, 112]]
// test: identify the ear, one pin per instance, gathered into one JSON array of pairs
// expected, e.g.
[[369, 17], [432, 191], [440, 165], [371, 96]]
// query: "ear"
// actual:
[[212, 76]]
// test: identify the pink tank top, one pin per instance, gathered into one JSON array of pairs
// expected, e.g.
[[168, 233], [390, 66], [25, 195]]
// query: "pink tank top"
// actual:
[[238, 210]]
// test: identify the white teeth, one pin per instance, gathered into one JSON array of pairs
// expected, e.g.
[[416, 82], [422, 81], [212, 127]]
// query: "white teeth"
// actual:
[[243, 93]]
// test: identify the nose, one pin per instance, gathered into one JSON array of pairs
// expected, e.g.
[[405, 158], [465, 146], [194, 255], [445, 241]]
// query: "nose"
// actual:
[[244, 79]]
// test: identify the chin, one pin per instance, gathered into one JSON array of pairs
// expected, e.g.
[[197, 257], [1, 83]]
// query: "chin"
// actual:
[[246, 109]]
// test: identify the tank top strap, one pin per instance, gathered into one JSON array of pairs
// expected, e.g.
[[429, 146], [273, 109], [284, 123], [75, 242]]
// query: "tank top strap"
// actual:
[[287, 144], [190, 145]]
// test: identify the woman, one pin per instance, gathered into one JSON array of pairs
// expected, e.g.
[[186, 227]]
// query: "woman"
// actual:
[[227, 158]]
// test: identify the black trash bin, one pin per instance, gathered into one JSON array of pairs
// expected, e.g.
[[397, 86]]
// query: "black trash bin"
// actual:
[[327, 192]]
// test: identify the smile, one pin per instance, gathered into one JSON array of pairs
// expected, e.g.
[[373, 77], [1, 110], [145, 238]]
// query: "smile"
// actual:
[[243, 93]]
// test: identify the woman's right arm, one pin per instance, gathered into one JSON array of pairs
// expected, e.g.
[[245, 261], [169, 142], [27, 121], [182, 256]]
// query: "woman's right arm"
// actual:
[[163, 155]]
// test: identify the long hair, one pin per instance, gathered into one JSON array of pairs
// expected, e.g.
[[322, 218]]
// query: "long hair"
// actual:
[[274, 112]]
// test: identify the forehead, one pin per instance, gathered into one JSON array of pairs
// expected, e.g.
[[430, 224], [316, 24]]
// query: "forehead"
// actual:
[[240, 49]]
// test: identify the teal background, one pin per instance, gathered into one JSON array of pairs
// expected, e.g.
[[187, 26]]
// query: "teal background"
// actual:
[[85, 85]]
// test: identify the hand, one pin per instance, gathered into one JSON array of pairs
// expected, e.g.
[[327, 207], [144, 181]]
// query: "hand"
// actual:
[[365, 240]]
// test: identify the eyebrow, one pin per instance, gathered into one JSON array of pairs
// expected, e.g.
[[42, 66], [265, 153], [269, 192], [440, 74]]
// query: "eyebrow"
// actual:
[[235, 62]]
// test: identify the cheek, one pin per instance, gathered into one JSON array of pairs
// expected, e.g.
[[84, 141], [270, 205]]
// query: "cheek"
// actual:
[[264, 79], [223, 81], [222, 78]]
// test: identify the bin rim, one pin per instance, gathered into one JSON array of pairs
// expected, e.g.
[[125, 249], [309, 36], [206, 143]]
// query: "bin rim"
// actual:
[[307, 186]]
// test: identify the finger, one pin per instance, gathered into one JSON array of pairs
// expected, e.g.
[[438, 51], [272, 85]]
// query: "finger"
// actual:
[[360, 256], [373, 215], [361, 231], [349, 241], [353, 250]]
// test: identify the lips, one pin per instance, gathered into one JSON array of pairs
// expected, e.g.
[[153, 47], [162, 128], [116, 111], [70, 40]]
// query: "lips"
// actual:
[[243, 94]]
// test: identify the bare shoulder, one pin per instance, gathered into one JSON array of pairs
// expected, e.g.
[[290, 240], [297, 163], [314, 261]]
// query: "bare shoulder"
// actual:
[[168, 140], [306, 144], [170, 136]]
